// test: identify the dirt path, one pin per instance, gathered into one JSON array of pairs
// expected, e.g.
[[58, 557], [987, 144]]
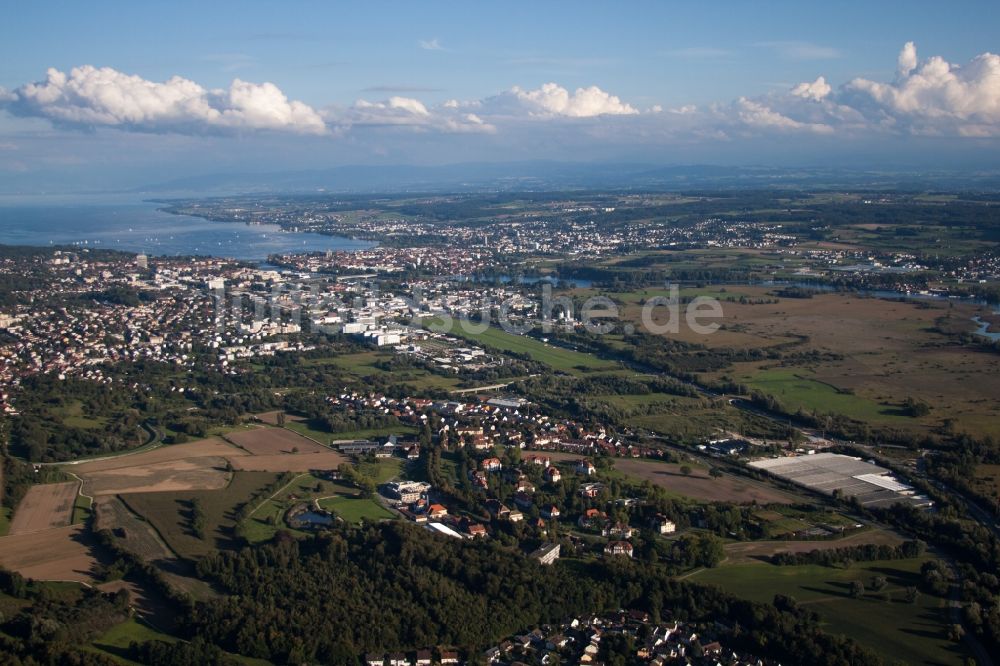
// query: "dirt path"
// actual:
[[45, 507], [275, 494]]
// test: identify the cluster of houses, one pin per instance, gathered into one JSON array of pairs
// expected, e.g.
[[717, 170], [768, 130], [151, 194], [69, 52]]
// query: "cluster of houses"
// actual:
[[482, 427], [76, 337], [414, 500], [389, 259], [489, 421], [579, 641], [424, 657], [564, 228]]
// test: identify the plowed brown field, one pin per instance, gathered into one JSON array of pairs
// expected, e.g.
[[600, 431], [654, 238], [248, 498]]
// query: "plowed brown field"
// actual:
[[44, 507]]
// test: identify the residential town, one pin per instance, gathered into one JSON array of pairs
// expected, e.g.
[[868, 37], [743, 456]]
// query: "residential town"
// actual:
[[579, 641]]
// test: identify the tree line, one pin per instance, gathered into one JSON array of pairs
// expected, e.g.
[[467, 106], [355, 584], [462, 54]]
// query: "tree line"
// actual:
[[868, 552]]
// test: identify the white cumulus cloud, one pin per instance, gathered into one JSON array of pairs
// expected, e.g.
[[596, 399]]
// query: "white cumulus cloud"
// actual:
[[922, 97], [907, 60], [550, 103], [815, 91], [399, 106], [553, 99], [935, 96], [930, 97], [91, 96], [264, 106]]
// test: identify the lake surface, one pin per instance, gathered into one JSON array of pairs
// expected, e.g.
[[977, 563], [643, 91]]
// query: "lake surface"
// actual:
[[313, 518], [135, 226]]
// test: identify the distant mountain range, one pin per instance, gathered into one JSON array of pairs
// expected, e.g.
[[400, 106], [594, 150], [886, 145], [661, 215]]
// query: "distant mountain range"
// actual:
[[538, 175]]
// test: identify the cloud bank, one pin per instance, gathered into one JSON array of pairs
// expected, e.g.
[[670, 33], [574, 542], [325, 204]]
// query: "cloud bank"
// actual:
[[546, 103], [93, 97], [934, 96], [924, 97], [408, 113]]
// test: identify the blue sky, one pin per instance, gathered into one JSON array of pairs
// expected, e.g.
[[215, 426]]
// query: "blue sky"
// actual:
[[434, 82]]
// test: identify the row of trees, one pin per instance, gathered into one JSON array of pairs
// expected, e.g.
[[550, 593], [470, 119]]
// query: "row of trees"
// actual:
[[861, 553]]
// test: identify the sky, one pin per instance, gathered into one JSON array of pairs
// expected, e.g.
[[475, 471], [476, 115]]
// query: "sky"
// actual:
[[100, 95]]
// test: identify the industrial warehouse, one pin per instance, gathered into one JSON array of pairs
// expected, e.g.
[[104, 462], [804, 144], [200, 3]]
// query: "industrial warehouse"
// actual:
[[831, 472]]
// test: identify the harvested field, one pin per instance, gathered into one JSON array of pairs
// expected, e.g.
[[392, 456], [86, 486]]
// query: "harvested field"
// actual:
[[136, 535], [201, 473], [213, 446], [203, 465], [301, 462], [44, 507], [271, 418], [266, 441], [170, 513], [141, 538], [755, 550], [699, 485], [63, 553]]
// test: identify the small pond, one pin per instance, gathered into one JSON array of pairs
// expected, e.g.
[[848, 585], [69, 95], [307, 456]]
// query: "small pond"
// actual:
[[313, 518]]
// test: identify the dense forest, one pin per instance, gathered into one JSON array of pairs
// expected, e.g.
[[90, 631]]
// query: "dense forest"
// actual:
[[50, 629], [390, 586]]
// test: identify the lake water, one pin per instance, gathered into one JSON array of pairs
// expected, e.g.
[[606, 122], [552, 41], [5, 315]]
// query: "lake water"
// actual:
[[313, 518], [132, 225]]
